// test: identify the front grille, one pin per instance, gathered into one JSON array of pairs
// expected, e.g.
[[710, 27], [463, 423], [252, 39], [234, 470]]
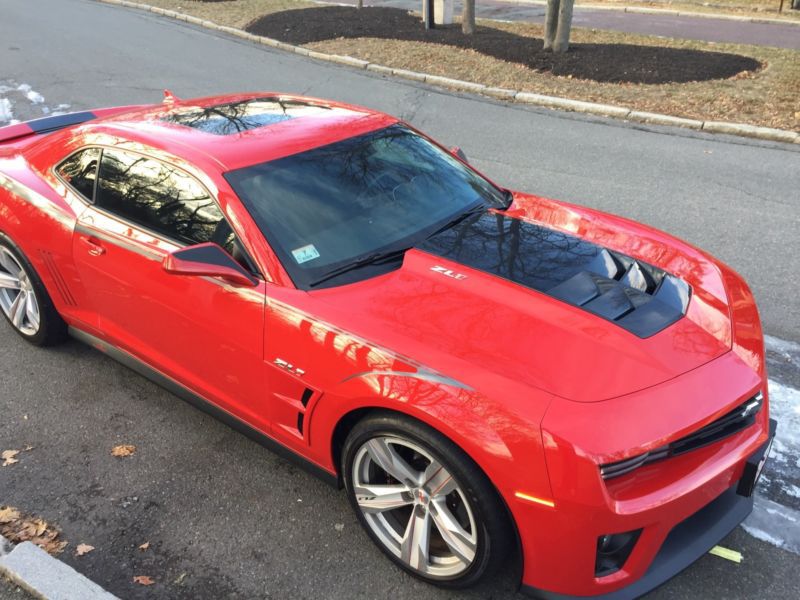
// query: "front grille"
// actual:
[[732, 422]]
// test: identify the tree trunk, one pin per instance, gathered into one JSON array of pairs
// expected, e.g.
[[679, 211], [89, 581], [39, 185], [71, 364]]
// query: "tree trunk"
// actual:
[[561, 43], [360, 4], [550, 23], [468, 17], [796, 4]]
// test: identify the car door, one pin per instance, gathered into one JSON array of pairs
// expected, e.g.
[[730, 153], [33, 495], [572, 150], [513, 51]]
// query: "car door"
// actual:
[[203, 332]]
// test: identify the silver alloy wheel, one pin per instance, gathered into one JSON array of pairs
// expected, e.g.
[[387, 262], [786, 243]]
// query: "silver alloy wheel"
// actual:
[[17, 296], [415, 507]]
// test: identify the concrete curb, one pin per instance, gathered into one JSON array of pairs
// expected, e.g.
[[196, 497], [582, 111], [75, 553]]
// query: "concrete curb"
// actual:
[[552, 102], [34, 570], [764, 133]]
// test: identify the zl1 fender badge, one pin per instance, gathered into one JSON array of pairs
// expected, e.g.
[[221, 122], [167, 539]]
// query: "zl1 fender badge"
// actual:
[[448, 272], [286, 366]]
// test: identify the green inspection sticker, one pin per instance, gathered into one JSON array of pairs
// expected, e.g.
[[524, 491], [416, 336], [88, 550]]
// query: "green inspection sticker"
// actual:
[[305, 254]]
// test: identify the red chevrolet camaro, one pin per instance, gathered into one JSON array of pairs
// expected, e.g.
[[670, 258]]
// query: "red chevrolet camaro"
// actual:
[[487, 373]]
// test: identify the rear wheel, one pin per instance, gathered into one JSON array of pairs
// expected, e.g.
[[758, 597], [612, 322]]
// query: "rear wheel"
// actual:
[[24, 300], [423, 501]]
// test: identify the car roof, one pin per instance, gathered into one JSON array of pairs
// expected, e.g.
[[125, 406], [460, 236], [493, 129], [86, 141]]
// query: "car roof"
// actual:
[[240, 130]]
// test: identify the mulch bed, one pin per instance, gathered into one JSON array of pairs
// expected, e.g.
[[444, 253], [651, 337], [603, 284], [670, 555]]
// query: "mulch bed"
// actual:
[[613, 63]]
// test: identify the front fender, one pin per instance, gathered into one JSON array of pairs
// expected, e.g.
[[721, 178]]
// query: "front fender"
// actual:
[[505, 445]]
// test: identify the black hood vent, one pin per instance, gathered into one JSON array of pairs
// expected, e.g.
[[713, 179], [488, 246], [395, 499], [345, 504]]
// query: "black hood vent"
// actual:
[[639, 297]]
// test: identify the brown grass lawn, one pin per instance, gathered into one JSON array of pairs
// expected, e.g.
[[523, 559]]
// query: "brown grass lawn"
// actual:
[[769, 96], [233, 13]]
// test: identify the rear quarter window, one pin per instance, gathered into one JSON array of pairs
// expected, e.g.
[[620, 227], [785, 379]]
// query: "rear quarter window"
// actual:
[[79, 170]]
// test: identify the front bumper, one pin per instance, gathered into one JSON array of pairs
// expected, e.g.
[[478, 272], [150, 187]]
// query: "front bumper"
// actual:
[[686, 541]]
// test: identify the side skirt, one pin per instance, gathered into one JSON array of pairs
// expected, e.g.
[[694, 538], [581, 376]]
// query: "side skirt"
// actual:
[[215, 411]]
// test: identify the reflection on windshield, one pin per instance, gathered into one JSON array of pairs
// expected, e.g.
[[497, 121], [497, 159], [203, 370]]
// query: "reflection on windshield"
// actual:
[[333, 205]]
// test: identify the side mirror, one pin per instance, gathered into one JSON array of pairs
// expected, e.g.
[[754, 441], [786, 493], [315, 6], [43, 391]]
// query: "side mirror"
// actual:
[[207, 260], [456, 151]]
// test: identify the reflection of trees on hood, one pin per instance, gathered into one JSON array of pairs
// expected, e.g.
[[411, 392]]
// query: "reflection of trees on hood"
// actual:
[[511, 248]]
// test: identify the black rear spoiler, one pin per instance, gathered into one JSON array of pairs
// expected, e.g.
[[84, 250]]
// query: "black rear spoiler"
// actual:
[[55, 122]]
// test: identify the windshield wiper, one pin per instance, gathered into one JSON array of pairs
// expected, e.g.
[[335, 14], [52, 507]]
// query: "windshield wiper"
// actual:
[[475, 210], [376, 258], [379, 258]]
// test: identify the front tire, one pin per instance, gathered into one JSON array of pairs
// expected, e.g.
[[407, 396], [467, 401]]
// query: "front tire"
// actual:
[[24, 301], [424, 502]]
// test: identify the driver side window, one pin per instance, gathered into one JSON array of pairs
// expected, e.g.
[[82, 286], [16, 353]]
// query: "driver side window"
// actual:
[[161, 198]]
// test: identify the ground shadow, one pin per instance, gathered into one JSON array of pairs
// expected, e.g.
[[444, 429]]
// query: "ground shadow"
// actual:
[[615, 63]]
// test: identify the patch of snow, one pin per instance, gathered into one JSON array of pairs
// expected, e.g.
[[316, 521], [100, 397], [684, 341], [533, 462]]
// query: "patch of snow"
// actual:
[[35, 97], [774, 523], [6, 114], [776, 513], [789, 516], [60, 109], [784, 405], [784, 347], [762, 535]]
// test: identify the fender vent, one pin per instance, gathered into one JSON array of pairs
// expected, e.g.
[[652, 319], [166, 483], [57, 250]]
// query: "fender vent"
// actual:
[[291, 397], [304, 400], [58, 279]]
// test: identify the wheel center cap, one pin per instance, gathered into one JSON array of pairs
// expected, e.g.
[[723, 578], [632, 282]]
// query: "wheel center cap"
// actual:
[[422, 497]]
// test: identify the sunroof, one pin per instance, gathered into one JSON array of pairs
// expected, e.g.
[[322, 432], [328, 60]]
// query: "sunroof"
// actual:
[[236, 117]]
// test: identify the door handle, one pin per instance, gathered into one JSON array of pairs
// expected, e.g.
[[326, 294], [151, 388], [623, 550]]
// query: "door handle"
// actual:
[[95, 249]]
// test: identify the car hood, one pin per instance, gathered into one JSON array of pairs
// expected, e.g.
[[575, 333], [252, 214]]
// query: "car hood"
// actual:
[[483, 297]]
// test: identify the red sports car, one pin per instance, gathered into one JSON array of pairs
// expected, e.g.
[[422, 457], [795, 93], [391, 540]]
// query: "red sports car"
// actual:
[[487, 373]]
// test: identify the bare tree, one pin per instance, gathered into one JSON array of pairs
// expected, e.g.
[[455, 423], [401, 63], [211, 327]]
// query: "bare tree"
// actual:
[[551, 23], [468, 17], [557, 25], [564, 26]]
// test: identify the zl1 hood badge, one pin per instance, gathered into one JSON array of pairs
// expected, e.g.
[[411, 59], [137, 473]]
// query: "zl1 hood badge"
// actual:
[[448, 272]]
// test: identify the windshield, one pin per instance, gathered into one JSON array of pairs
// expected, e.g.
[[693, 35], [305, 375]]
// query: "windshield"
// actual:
[[361, 198]]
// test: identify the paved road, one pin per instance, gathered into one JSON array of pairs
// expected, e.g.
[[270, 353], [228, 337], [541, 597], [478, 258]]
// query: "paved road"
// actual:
[[224, 517], [691, 28]]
